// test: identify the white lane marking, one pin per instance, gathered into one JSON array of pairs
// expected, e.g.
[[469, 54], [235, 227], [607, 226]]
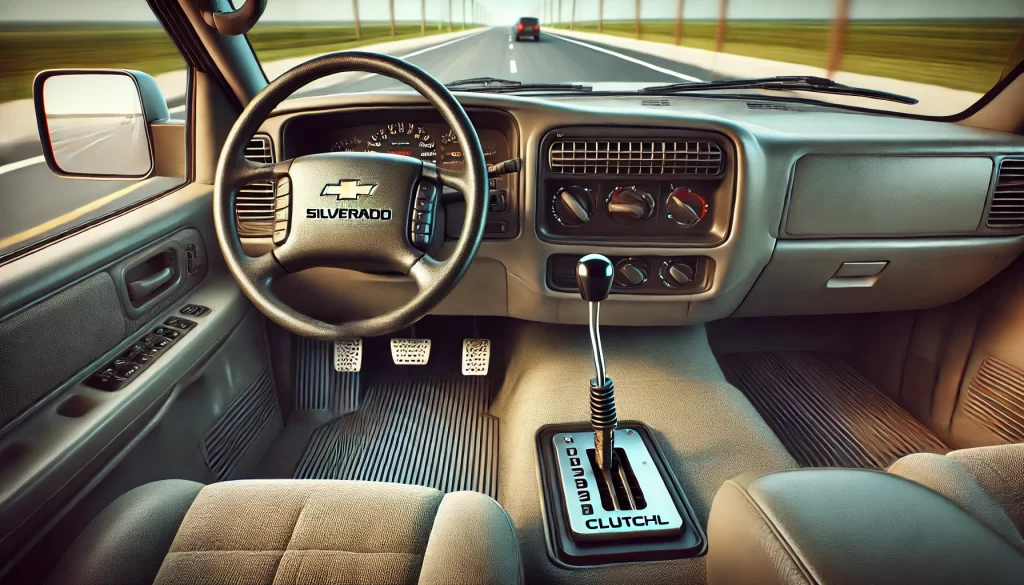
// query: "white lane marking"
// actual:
[[7, 168], [511, 46], [628, 58], [428, 49], [512, 66]]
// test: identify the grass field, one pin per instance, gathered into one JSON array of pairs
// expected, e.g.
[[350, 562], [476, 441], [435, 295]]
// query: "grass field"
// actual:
[[959, 55], [28, 49]]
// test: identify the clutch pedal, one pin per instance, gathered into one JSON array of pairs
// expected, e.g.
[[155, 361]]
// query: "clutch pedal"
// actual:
[[348, 355], [410, 351], [476, 356]]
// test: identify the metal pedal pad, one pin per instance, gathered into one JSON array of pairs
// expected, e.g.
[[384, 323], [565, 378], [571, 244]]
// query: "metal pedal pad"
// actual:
[[476, 356], [348, 355], [410, 352]]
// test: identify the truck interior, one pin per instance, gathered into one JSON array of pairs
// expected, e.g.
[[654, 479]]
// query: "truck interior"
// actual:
[[740, 339]]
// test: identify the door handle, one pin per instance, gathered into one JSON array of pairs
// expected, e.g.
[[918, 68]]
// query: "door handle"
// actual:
[[140, 289]]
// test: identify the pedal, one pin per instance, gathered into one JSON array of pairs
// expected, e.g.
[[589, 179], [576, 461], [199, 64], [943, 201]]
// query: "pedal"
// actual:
[[410, 352], [476, 356], [348, 355]]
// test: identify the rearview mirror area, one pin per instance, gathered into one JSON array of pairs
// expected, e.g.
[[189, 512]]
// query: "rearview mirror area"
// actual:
[[95, 123]]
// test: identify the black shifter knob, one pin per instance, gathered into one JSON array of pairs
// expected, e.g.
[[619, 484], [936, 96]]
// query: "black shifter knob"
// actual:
[[594, 275]]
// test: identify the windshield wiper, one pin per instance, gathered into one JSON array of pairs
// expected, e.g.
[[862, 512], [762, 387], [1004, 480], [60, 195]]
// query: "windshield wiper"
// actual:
[[783, 83], [498, 85]]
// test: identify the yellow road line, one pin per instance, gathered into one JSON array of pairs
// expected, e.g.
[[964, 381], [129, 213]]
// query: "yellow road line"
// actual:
[[71, 215]]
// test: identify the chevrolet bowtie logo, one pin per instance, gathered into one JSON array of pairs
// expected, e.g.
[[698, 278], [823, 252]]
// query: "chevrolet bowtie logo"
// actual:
[[348, 190]]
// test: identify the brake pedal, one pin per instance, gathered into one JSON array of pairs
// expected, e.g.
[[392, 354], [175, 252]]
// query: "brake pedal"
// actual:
[[348, 355], [410, 351], [476, 356]]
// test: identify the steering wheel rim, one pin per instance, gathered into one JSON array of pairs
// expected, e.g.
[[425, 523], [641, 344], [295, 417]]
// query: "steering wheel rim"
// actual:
[[312, 243]]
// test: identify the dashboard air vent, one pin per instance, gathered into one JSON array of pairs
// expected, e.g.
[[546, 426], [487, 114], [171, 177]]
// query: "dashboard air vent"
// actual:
[[777, 106], [255, 204], [636, 157], [1007, 210]]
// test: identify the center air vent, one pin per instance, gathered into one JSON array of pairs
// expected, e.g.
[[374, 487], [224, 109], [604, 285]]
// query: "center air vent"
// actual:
[[636, 157], [1007, 210], [255, 204]]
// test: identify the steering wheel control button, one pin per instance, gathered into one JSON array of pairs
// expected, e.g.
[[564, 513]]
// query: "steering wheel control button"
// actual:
[[686, 207], [422, 218], [629, 205], [676, 273], [571, 206], [631, 272]]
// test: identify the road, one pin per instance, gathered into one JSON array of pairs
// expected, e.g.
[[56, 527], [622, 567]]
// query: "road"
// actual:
[[34, 203]]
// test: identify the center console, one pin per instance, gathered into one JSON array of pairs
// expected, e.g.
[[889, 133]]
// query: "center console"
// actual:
[[636, 187]]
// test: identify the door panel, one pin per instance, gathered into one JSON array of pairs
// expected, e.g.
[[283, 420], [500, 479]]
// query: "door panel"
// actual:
[[65, 313]]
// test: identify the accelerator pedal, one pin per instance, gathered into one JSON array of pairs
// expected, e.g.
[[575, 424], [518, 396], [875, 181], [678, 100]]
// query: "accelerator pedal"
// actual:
[[476, 356], [410, 351], [348, 355]]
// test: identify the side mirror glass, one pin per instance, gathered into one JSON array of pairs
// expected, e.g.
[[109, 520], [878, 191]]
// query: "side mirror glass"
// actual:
[[95, 124]]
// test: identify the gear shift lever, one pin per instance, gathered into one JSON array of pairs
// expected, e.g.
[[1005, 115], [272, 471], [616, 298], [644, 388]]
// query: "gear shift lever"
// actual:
[[594, 275]]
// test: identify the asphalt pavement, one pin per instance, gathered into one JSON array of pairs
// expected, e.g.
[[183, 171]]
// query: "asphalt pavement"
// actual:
[[34, 203]]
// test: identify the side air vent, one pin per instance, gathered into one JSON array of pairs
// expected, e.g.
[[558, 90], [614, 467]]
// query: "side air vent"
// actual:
[[636, 157], [778, 106], [255, 204], [1007, 210]]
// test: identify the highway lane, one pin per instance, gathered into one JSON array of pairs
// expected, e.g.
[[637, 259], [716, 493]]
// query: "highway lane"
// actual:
[[34, 203]]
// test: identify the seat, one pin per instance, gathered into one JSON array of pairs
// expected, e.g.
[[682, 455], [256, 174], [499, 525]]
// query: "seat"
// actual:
[[293, 532], [935, 519], [988, 482]]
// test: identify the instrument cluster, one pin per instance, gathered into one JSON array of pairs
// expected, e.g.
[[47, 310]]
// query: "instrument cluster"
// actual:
[[433, 143]]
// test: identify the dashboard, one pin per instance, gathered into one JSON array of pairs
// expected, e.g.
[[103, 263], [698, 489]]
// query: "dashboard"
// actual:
[[709, 208]]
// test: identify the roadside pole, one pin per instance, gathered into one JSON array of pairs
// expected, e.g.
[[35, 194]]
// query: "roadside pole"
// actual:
[[723, 9], [636, 6], [679, 22], [837, 38], [600, 15], [355, 16], [449, 15], [423, 17], [391, 6]]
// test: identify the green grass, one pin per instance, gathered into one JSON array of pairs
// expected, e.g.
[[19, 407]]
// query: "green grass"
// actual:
[[959, 55], [27, 49]]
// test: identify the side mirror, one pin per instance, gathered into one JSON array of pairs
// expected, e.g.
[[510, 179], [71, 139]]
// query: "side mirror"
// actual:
[[95, 123]]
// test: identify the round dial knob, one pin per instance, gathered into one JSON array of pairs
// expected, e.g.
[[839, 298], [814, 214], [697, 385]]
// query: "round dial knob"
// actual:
[[686, 207], [629, 205], [571, 206], [631, 272], [676, 273]]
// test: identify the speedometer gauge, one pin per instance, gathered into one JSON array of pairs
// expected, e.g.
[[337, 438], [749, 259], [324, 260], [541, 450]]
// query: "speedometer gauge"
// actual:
[[452, 155], [401, 138]]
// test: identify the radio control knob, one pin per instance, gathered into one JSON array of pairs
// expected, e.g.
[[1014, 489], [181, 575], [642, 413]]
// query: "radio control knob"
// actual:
[[631, 272], [571, 206], [686, 207], [629, 205], [676, 273]]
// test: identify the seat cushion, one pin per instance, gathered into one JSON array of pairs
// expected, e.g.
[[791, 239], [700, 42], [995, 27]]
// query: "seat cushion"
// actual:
[[985, 481], [322, 531]]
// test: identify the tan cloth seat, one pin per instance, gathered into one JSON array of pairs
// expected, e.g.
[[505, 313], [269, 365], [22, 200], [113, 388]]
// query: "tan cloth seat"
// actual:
[[294, 532], [988, 482]]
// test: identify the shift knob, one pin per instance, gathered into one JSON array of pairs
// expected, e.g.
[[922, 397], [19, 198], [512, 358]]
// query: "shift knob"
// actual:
[[594, 275]]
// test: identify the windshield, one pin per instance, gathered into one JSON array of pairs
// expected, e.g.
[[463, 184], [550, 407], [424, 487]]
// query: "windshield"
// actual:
[[944, 53]]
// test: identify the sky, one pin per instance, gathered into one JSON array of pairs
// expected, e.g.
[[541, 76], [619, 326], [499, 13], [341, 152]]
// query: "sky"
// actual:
[[502, 12]]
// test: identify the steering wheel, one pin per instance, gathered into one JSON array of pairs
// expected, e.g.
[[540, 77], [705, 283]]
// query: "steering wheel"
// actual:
[[363, 211]]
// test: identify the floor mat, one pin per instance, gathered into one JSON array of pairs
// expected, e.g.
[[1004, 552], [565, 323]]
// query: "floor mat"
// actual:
[[825, 412], [432, 431]]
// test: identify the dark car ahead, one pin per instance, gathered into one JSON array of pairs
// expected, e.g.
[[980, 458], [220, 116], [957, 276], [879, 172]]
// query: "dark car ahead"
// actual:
[[528, 27]]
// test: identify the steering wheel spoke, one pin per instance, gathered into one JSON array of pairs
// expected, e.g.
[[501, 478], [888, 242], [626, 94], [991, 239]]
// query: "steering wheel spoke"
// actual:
[[427, 271], [247, 172], [262, 270]]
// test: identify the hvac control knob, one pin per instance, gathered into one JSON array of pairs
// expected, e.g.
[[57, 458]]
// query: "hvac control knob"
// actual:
[[629, 205], [676, 273], [571, 206], [686, 207], [631, 272]]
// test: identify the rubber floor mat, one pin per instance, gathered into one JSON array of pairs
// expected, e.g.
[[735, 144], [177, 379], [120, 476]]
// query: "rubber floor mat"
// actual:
[[433, 432], [825, 412]]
